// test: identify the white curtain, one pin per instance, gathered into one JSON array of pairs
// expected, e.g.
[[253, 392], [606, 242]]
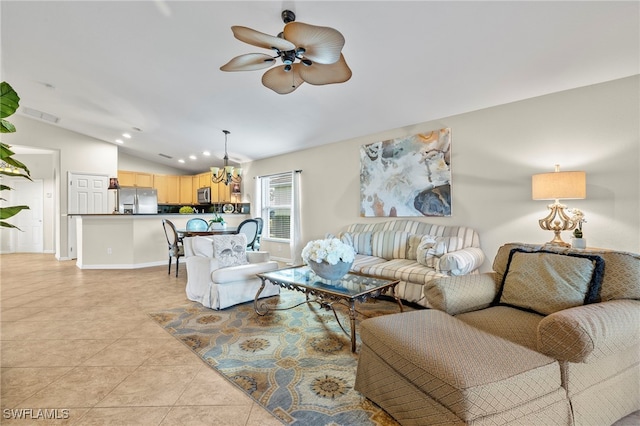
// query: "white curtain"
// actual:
[[296, 216], [257, 198]]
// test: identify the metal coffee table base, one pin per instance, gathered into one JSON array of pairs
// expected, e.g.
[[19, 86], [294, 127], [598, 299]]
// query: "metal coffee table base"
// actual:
[[326, 299]]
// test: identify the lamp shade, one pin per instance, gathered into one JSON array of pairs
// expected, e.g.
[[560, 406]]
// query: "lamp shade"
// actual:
[[559, 185]]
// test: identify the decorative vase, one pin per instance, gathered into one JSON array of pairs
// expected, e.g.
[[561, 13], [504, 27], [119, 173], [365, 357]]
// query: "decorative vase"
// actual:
[[579, 243], [330, 272], [219, 226]]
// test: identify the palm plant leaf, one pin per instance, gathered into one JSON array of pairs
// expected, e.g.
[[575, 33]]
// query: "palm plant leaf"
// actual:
[[9, 100], [6, 156], [7, 212]]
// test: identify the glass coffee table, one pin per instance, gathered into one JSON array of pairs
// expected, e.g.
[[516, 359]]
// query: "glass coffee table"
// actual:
[[348, 289]]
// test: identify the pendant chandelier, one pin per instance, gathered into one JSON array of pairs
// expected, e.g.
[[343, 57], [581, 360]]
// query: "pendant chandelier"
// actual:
[[226, 174]]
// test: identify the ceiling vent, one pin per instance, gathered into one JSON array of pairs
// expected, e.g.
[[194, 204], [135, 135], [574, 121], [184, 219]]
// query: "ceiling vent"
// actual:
[[165, 156], [40, 115]]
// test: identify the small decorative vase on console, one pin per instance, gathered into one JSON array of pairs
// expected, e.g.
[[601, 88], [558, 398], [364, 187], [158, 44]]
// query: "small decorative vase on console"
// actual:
[[579, 243]]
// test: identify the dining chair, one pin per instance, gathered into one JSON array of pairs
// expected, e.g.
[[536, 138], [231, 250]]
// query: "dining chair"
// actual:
[[249, 227], [197, 224], [256, 243], [176, 249]]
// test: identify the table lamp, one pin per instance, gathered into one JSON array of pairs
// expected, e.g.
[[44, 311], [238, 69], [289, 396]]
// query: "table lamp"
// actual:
[[113, 184], [556, 186]]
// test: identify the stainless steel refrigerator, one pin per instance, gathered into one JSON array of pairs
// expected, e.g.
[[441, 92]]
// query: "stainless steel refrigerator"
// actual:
[[134, 200]]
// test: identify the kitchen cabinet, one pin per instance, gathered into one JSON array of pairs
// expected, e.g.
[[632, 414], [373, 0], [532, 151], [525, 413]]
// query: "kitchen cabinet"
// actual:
[[204, 179], [229, 193], [173, 189], [168, 187], [128, 178], [224, 192], [187, 191]]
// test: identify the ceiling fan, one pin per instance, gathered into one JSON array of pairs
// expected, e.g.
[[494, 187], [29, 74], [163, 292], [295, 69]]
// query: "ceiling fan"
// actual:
[[309, 53]]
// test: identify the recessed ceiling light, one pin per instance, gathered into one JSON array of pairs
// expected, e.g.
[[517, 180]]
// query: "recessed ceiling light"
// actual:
[[126, 135], [119, 141], [193, 157], [181, 161], [206, 153]]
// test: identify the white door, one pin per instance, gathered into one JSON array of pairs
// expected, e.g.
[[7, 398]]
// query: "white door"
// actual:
[[30, 237], [87, 194]]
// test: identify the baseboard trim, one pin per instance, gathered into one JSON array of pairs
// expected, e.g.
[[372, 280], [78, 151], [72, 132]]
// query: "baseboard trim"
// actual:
[[123, 266]]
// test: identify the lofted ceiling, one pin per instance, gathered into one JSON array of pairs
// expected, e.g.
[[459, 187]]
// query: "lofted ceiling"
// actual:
[[151, 68]]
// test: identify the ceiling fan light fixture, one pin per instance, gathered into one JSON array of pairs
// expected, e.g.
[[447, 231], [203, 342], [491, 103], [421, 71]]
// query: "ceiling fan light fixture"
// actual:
[[321, 55], [288, 16], [283, 82]]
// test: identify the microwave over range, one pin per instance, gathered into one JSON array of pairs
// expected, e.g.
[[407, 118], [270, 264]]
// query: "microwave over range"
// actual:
[[204, 195]]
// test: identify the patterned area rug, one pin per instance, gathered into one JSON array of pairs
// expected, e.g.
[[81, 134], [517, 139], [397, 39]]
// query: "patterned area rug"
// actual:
[[296, 363]]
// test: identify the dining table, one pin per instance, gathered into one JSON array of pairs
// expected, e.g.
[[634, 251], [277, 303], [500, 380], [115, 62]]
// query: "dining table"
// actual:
[[192, 233]]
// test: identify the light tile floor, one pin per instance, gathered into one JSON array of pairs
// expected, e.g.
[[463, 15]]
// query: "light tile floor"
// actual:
[[82, 341]]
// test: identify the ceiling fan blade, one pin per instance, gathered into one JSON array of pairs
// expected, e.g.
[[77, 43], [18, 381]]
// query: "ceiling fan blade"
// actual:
[[322, 44], [319, 74], [256, 38], [249, 62], [282, 82]]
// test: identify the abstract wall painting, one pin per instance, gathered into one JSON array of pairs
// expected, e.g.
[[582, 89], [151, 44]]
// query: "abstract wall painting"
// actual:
[[409, 176]]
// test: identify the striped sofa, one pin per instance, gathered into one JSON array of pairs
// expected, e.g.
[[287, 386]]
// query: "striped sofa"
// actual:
[[391, 250], [551, 337]]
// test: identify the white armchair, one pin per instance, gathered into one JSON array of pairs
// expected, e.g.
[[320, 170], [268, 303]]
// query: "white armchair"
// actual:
[[218, 287]]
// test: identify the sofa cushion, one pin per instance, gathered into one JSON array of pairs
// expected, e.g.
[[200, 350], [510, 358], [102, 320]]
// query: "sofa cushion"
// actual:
[[621, 276], [389, 244], [461, 262], [431, 249], [547, 282], [230, 250], [515, 325], [401, 269], [362, 262], [360, 241], [412, 246]]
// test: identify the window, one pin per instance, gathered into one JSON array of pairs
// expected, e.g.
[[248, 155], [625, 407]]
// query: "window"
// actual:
[[277, 195]]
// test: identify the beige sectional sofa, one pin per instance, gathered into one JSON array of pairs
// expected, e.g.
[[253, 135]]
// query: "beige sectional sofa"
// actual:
[[413, 252], [551, 337]]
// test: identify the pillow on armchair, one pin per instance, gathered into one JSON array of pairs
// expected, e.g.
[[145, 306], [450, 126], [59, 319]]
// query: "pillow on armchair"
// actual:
[[230, 250]]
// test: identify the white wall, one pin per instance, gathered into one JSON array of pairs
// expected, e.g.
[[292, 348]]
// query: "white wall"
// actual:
[[495, 153], [71, 152], [136, 164], [75, 153], [40, 166]]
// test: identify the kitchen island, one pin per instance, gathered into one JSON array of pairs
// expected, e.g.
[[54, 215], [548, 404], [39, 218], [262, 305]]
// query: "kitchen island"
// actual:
[[125, 241]]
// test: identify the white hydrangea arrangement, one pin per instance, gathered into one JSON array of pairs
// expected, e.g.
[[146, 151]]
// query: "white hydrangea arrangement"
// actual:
[[330, 250]]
